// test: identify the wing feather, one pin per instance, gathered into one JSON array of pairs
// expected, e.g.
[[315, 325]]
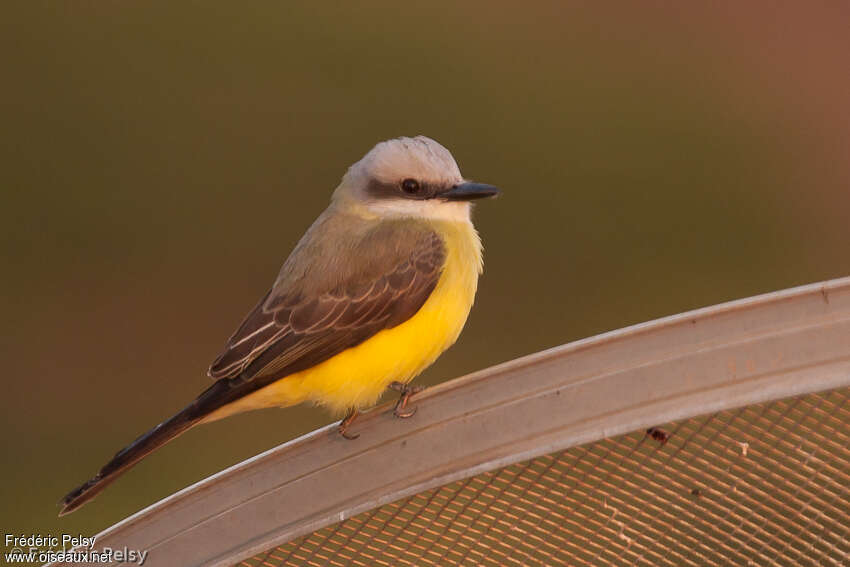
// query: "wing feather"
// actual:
[[292, 329]]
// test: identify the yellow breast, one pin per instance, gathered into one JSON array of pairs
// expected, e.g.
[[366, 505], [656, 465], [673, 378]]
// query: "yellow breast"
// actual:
[[358, 376]]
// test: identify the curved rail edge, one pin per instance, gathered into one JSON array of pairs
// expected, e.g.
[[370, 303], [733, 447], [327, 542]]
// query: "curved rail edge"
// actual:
[[730, 355]]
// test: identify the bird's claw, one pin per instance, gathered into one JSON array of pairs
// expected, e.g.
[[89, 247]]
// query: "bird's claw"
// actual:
[[404, 414], [347, 435], [401, 410], [342, 428]]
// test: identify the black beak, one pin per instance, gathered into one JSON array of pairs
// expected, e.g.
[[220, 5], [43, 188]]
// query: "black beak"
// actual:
[[469, 191]]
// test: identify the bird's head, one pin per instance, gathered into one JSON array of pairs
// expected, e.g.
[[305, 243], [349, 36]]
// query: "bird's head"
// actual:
[[411, 177]]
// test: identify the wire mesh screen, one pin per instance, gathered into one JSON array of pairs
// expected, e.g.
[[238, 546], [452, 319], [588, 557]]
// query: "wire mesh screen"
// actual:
[[762, 485]]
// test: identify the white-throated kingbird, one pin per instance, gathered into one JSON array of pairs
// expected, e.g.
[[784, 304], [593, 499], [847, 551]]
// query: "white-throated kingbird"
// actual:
[[377, 288]]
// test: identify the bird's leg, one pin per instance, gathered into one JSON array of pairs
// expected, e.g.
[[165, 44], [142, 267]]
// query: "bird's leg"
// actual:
[[406, 391], [343, 425]]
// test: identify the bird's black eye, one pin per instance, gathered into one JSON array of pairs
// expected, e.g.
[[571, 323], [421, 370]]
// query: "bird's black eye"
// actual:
[[410, 186]]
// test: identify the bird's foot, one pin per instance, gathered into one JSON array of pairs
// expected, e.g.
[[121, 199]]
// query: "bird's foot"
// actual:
[[406, 390], [343, 425]]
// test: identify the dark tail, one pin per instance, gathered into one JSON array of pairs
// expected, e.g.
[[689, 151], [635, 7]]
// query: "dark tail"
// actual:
[[213, 398]]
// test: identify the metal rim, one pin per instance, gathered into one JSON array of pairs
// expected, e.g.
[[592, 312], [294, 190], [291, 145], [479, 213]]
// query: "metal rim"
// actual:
[[734, 354]]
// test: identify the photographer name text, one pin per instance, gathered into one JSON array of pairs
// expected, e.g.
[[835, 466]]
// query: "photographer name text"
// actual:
[[69, 548]]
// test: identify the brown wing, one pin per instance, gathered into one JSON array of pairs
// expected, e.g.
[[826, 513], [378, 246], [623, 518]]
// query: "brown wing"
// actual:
[[391, 272]]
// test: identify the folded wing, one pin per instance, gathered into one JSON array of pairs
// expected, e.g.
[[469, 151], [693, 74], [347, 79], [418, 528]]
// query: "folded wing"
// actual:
[[300, 323]]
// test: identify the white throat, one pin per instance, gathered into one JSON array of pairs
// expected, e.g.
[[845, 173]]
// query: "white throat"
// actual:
[[455, 211]]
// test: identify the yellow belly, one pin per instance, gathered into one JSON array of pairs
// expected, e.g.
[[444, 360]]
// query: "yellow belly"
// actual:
[[356, 377]]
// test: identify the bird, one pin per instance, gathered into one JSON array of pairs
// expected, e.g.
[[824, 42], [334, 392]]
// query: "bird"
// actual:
[[377, 288]]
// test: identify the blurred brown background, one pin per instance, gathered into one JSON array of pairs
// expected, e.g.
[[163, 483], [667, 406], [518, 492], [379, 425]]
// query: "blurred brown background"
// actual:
[[159, 161]]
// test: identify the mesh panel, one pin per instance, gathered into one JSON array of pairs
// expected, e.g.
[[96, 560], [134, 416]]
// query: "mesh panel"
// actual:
[[762, 485]]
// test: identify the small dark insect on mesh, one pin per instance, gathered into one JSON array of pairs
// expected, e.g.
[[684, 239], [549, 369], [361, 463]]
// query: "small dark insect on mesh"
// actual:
[[767, 484]]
